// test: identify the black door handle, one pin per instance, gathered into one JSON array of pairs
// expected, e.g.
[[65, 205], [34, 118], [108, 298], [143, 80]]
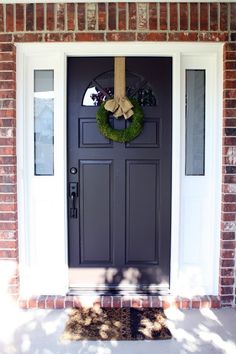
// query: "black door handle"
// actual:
[[73, 192]]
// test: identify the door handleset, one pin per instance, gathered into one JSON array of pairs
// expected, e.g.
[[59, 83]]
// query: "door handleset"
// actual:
[[73, 193]]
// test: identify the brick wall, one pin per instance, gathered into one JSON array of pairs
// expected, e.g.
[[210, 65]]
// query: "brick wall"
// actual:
[[115, 22]]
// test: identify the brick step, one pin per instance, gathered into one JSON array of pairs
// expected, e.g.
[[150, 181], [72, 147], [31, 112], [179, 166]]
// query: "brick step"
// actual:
[[60, 302]]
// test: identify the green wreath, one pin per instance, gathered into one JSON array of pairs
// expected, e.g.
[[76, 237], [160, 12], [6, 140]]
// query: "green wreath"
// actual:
[[124, 135]]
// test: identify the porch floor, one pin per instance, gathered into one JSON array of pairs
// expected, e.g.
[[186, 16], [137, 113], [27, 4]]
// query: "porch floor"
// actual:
[[194, 331]]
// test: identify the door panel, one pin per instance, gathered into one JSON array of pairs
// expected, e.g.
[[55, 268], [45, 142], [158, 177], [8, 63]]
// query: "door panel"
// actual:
[[121, 236]]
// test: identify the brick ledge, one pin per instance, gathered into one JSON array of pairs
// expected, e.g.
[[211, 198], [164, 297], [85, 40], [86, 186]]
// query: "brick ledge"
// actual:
[[60, 302]]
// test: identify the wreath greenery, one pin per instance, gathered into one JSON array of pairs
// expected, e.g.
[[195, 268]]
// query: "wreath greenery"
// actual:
[[124, 135]]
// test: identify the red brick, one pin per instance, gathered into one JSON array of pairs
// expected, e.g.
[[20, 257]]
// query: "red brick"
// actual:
[[215, 301], [29, 17], [227, 254], [8, 207], [91, 16], [81, 17], [39, 17], [9, 18], [28, 37], [50, 17], [8, 244], [229, 104], [89, 36], [70, 17], [233, 17], [60, 302], [102, 16], [126, 302], [226, 281], [230, 84], [230, 56], [142, 16], [60, 16], [1, 19], [173, 25], [7, 216], [194, 17], [120, 36], [229, 141], [205, 302], [230, 94], [7, 123], [106, 301], [185, 303], [112, 16], [228, 245], [116, 301], [7, 198], [5, 38], [226, 290], [7, 253], [7, 66], [50, 302], [156, 301], [226, 299], [182, 36], [214, 17], [132, 16], [163, 16], [69, 302], [135, 302], [152, 16], [228, 236], [230, 65], [146, 301], [213, 36], [59, 37], [42, 302], [152, 36], [204, 17], [196, 302], [183, 12], [20, 17], [223, 17], [122, 16], [7, 75], [229, 47]]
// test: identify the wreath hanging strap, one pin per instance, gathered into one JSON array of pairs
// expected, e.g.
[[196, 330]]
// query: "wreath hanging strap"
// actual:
[[120, 105]]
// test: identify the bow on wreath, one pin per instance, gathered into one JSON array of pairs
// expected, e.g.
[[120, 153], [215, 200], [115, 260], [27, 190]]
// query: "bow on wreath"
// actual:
[[120, 105]]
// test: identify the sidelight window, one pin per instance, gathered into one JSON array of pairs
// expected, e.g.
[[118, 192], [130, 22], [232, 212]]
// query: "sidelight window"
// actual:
[[195, 123], [43, 122]]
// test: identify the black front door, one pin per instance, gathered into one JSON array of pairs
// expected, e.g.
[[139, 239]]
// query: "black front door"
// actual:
[[119, 195]]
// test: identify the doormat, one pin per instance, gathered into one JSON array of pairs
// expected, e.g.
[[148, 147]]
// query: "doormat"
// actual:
[[116, 324]]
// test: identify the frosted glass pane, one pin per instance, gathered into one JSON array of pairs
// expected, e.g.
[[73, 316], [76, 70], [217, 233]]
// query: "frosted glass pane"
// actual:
[[195, 123], [43, 122]]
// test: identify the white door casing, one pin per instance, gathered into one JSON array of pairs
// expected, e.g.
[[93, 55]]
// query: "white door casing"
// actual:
[[42, 200]]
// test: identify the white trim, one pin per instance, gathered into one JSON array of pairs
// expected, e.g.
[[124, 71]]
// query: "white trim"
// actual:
[[62, 50]]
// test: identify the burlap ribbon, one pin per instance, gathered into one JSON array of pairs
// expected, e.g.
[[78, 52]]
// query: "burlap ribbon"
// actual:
[[119, 105]]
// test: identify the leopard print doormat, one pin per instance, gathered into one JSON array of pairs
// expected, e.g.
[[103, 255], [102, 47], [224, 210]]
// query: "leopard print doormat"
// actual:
[[116, 324]]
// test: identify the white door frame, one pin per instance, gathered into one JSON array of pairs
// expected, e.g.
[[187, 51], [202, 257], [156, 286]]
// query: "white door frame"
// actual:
[[49, 273]]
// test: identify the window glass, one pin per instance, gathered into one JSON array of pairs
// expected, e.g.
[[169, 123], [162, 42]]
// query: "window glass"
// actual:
[[102, 87], [43, 122], [195, 123]]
